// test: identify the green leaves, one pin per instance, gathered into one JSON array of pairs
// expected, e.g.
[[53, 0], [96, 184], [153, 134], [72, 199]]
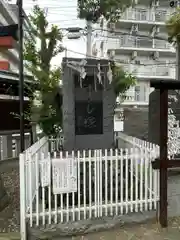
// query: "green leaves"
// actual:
[[173, 27], [122, 80], [92, 10], [38, 61]]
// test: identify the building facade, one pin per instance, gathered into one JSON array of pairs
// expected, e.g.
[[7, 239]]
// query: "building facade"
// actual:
[[9, 57], [138, 42], [9, 71]]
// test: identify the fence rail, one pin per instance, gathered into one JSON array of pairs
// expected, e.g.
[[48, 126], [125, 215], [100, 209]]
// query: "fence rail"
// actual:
[[123, 140]]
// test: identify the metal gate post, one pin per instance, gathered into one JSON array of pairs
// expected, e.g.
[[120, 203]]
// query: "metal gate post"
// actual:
[[23, 230]]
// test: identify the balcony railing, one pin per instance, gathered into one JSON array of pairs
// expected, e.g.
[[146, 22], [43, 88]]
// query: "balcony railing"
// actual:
[[146, 15], [132, 98], [143, 42], [150, 70], [137, 42]]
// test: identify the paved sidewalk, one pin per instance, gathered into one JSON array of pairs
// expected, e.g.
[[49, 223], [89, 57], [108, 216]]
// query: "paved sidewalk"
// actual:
[[148, 231]]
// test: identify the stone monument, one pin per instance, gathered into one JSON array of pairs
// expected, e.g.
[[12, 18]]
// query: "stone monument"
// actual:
[[88, 105]]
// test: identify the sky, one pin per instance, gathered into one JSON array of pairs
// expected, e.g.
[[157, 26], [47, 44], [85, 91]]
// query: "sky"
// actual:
[[63, 14]]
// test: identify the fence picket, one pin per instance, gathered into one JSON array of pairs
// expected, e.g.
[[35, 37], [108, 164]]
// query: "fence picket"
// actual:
[[79, 187], [49, 193], [116, 181], [146, 170], [122, 180], [131, 177], [100, 183], [30, 162], [37, 190], [106, 182], [90, 185], [84, 182], [73, 195], [127, 180], [136, 151], [55, 195], [95, 183], [141, 178]]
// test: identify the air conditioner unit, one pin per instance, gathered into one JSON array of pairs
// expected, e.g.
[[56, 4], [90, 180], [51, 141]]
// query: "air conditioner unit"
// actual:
[[74, 35], [153, 30], [134, 28], [112, 54], [155, 56], [137, 62], [102, 45], [127, 61], [102, 23], [157, 29], [94, 50], [112, 26], [156, 3], [134, 55]]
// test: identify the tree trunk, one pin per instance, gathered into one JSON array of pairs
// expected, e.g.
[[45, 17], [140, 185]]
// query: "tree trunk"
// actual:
[[4, 198]]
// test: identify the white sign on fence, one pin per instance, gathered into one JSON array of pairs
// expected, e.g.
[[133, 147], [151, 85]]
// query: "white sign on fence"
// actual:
[[64, 175]]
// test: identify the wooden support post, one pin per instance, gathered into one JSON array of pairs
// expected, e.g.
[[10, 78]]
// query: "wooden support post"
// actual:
[[163, 155], [163, 163]]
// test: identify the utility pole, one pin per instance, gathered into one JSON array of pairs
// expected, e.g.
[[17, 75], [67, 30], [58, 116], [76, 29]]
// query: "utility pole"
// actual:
[[21, 73], [178, 55], [89, 39], [178, 61]]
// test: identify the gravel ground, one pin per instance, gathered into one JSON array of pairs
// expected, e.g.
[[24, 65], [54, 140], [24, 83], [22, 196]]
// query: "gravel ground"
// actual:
[[9, 217]]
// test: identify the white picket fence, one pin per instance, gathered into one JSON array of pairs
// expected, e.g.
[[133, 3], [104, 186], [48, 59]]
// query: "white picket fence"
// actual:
[[125, 141], [77, 186]]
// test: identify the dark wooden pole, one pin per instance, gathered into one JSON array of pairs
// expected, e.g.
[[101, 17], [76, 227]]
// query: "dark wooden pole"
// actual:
[[21, 73], [163, 156]]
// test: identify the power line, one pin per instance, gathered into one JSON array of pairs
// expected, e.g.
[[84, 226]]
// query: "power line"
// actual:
[[111, 37], [118, 61], [123, 62], [112, 32], [128, 34], [57, 8]]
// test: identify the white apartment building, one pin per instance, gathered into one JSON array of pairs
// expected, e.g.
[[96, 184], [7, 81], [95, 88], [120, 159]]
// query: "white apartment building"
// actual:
[[9, 15], [133, 42]]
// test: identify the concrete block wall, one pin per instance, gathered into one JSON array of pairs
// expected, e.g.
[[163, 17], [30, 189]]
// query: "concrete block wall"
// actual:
[[100, 141], [124, 144], [136, 122]]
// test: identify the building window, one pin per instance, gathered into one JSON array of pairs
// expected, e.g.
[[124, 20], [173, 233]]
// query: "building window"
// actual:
[[145, 93], [137, 93]]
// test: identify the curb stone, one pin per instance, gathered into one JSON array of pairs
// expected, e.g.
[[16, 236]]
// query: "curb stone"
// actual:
[[55, 231]]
